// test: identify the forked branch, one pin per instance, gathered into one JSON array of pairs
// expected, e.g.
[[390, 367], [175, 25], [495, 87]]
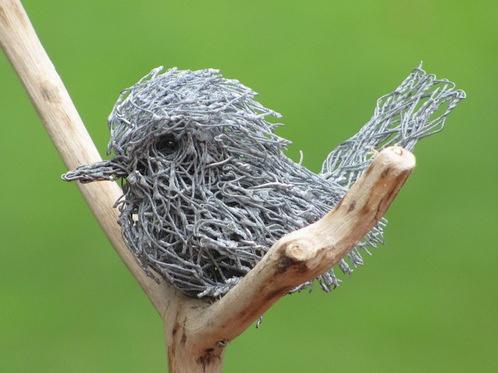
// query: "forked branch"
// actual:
[[198, 331], [303, 254]]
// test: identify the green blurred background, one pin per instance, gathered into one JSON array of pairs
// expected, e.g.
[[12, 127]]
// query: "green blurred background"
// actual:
[[425, 301]]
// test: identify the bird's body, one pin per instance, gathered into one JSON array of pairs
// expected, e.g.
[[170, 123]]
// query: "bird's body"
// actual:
[[207, 186]]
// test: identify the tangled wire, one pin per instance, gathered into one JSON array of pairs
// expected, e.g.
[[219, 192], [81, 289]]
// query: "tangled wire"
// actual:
[[207, 188]]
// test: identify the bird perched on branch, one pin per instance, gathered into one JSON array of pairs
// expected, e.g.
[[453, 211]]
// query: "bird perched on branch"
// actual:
[[207, 187]]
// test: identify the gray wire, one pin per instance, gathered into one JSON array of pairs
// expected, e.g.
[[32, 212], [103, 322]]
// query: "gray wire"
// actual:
[[207, 187]]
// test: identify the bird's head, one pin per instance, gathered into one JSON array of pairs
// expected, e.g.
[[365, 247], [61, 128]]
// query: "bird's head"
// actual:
[[179, 124]]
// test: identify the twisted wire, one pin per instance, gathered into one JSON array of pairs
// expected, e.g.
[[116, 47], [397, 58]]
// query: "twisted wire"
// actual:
[[207, 187]]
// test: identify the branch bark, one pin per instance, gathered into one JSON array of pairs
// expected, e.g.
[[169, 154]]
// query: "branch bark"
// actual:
[[196, 330]]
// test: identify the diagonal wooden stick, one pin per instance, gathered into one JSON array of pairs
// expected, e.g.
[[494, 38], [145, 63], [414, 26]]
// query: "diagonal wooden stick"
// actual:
[[65, 127], [196, 330]]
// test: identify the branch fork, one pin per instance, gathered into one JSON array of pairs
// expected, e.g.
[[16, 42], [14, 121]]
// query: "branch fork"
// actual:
[[198, 331]]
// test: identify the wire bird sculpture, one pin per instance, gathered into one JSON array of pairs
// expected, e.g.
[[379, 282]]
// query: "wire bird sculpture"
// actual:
[[207, 187]]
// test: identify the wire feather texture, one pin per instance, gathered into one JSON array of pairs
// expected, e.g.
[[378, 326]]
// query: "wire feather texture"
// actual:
[[207, 187]]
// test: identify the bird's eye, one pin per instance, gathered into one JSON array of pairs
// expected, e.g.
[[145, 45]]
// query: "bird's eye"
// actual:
[[167, 144]]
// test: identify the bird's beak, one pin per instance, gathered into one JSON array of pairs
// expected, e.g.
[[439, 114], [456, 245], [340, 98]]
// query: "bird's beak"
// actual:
[[105, 170]]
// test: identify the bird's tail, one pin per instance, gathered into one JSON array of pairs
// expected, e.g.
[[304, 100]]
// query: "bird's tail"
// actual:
[[416, 109]]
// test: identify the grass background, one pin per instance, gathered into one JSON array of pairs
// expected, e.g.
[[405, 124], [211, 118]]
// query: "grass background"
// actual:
[[426, 301]]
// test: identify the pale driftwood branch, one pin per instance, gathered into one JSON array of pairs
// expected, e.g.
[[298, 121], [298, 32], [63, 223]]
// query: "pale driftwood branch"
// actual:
[[65, 127], [197, 331], [300, 256]]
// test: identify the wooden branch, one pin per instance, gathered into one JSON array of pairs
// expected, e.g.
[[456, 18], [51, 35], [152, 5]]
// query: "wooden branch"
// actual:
[[66, 129], [302, 255], [196, 330]]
